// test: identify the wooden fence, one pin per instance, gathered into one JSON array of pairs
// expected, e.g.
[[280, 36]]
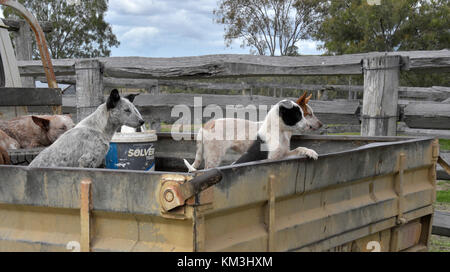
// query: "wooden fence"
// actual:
[[383, 105]]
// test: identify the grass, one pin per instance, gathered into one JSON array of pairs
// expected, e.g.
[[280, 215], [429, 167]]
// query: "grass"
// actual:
[[443, 191], [441, 243], [168, 128], [444, 144], [346, 133], [443, 196]]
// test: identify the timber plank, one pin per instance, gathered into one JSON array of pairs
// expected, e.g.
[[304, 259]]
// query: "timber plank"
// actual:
[[158, 108], [441, 223], [233, 65], [30, 97], [427, 115]]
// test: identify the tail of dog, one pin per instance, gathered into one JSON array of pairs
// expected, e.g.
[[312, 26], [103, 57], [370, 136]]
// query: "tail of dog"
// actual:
[[190, 167], [198, 154]]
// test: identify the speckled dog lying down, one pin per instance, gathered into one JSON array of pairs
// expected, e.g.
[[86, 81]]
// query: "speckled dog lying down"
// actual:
[[87, 143]]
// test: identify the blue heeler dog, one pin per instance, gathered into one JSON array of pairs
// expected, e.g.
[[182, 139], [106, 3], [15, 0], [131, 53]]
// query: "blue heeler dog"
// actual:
[[87, 143]]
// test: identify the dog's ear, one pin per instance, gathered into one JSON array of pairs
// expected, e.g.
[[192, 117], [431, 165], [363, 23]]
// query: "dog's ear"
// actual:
[[308, 98], [131, 97], [41, 122], [301, 100], [113, 98]]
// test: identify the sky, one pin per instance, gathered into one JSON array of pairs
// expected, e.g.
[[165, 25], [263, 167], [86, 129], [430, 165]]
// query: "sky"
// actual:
[[172, 28]]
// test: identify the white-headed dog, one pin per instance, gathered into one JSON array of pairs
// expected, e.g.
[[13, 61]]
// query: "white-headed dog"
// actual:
[[87, 143], [212, 143]]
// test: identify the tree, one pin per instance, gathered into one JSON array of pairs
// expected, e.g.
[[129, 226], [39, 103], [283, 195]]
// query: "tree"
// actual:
[[269, 26], [354, 26], [79, 28]]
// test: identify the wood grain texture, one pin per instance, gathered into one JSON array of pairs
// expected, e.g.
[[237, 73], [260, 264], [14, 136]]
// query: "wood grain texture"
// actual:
[[89, 87], [441, 223], [30, 97], [15, 25], [435, 93], [427, 115], [159, 108], [381, 84], [233, 65]]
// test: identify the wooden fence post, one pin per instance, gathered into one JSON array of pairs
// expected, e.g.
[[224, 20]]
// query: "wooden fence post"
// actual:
[[89, 87], [380, 99], [23, 41], [11, 76]]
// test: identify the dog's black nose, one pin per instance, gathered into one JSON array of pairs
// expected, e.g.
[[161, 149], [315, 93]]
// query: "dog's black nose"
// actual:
[[141, 122]]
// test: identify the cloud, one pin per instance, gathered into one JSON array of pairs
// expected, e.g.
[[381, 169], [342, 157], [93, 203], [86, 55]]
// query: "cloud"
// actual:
[[172, 28], [308, 47], [166, 28], [138, 37]]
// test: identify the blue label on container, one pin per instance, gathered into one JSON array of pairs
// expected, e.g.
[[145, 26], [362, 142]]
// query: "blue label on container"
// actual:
[[134, 156]]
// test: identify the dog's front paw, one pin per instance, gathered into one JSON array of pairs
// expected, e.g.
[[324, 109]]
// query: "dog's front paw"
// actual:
[[307, 152], [312, 154]]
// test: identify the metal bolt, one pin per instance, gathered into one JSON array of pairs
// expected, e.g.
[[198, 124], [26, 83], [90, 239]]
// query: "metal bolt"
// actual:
[[168, 195]]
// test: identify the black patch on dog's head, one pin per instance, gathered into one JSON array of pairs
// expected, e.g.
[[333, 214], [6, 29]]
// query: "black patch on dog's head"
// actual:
[[131, 97], [113, 99], [290, 115]]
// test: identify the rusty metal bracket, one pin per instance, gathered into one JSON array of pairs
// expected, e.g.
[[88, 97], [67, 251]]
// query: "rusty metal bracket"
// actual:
[[85, 215], [398, 186], [41, 42], [432, 175], [174, 194]]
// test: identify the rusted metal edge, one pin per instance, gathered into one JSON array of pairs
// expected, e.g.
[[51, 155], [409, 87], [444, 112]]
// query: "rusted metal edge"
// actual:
[[398, 186], [175, 194], [325, 155]]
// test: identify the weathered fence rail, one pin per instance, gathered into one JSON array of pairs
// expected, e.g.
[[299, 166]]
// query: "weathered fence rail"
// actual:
[[158, 108], [30, 97], [241, 65], [434, 93], [441, 223], [427, 115], [154, 72]]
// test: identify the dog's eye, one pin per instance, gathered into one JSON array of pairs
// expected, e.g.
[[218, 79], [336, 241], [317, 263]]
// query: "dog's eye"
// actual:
[[63, 128], [127, 110]]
